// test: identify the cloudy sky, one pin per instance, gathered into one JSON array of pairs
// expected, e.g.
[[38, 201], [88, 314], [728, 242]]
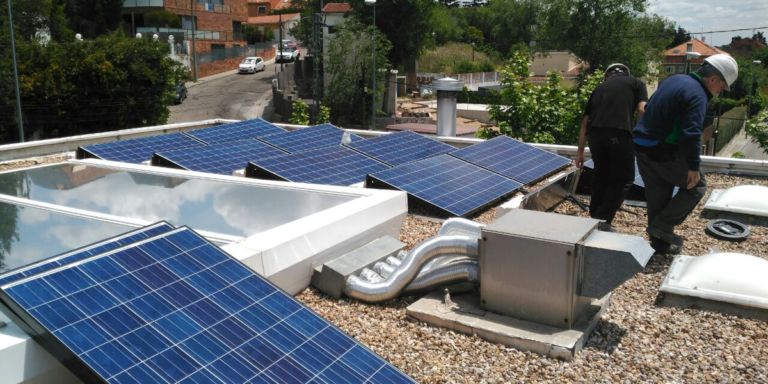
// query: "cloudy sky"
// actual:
[[714, 15]]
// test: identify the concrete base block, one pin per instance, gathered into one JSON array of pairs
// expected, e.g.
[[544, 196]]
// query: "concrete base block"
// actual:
[[465, 316], [331, 276]]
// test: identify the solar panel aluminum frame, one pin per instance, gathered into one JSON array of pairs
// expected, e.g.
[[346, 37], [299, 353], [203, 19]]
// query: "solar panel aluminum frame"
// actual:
[[82, 153], [69, 358]]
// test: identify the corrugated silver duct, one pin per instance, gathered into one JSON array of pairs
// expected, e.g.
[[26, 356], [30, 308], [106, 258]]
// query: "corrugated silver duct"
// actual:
[[402, 254], [394, 261], [444, 260], [454, 273], [371, 276], [421, 254], [459, 226], [383, 269]]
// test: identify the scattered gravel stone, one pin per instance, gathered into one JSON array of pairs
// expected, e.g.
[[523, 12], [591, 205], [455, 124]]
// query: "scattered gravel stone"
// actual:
[[636, 341]]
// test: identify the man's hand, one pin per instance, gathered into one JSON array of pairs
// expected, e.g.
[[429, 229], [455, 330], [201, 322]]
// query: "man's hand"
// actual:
[[693, 178], [579, 161]]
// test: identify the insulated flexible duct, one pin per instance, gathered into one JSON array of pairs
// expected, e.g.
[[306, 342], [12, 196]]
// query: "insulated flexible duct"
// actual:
[[411, 266], [459, 226], [394, 261], [383, 269], [454, 273], [371, 276]]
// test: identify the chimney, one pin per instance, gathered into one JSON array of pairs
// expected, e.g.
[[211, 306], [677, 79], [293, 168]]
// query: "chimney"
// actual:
[[704, 39], [447, 90]]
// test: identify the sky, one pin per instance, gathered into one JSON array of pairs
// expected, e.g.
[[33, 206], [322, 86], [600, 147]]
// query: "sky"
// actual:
[[714, 15]]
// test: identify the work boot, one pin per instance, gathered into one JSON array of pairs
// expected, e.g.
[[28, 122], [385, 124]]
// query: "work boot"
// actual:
[[662, 247], [668, 237], [605, 227]]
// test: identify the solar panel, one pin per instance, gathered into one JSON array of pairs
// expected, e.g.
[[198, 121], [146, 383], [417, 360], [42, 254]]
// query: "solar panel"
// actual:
[[401, 148], [176, 309], [248, 129], [445, 183], [82, 253], [511, 158], [335, 165], [324, 135], [223, 158], [137, 150]]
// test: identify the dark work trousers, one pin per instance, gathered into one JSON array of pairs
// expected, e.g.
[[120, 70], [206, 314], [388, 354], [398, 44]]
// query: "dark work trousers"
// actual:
[[613, 155], [661, 176]]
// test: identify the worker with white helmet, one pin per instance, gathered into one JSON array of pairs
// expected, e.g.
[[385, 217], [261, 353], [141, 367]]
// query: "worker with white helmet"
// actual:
[[607, 127], [668, 146]]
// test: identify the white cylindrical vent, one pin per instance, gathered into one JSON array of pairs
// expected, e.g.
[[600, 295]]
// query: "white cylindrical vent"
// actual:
[[447, 90]]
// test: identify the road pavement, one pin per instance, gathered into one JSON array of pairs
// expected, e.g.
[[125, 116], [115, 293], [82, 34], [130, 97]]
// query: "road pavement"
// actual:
[[227, 96]]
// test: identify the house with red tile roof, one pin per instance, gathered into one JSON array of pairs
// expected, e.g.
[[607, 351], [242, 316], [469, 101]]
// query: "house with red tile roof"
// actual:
[[674, 58], [743, 47]]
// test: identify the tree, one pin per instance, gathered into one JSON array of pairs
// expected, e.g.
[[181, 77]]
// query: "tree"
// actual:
[[93, 18], [405, 23], [546, 114], [762, 55], [505, 23], [681, 36], [474, 35], [109, 83], [447, 24], [758, 129], [759, 36], [163, 19], [35, 20], [602, 32], [349, 65]]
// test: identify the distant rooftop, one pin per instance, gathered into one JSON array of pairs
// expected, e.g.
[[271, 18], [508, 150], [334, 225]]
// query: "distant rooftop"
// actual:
[[337, 8], [698, 46]]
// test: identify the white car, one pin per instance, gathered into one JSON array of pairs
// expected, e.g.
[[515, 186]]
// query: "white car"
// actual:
[[251, 65], [288, 54]]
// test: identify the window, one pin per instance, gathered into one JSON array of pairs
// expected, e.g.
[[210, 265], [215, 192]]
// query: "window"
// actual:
[[263, 9], [332, 30], [670, 69], [681, 68]]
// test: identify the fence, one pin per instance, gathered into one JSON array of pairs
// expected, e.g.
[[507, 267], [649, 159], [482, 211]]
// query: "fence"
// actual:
[[467, 78], [210, 6], [730, 125], [230, 53]]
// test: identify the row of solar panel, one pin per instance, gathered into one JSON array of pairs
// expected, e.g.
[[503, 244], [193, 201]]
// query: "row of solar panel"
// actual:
[[289, 156], [162, 305]]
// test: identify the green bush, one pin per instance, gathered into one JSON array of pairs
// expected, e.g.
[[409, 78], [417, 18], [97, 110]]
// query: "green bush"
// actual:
[[758, 129], [162, 19], [300, 113], [269, 34], [739, 155], [325, 115], [474, 67], [110, 83], [730, 126]]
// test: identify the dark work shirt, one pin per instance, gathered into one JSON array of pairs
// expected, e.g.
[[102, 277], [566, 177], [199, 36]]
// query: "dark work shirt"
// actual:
[[612, 103]]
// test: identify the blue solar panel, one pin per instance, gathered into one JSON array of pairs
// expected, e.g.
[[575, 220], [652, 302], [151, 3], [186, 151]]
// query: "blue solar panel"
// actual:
[[324, 135], [137, 150], [248, 129], [447, 184], [401, 148], [218, 158], [82, 253], [335, 165], [511, 158], [176, 309]]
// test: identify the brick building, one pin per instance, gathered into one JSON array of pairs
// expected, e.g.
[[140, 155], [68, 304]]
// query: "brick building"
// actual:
[[743, 47], [218, 23]]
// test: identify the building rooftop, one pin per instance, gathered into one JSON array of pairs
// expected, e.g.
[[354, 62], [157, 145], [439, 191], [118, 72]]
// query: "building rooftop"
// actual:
[[699, 46], [636, 341], [337, 8]]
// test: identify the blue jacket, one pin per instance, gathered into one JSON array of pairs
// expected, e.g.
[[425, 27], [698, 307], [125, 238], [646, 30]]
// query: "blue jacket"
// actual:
[[675, 114]]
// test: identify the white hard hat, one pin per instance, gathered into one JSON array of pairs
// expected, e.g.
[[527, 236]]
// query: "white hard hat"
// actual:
[[616, 67], [727, 66]]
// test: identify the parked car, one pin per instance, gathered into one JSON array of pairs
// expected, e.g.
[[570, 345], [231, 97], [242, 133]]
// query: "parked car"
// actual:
[[287, 42], [251, 65], [298, 49], [181, 92], [287, 54]]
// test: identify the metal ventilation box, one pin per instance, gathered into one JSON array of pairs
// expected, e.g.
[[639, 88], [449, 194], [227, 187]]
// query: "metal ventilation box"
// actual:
[[547, 268]]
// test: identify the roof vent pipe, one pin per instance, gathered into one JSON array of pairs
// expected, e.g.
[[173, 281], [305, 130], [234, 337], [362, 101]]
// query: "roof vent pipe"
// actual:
[[447, 91]]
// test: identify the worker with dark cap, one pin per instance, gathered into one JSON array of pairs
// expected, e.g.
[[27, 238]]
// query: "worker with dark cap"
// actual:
[[607, 127], [668, 146]]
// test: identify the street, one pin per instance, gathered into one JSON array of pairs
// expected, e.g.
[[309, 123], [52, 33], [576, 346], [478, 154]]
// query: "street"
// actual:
[[232, 96]]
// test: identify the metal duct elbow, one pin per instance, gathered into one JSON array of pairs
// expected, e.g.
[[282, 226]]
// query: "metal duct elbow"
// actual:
[[454, 273], [395, 283], [444, 260], [459, 226]]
